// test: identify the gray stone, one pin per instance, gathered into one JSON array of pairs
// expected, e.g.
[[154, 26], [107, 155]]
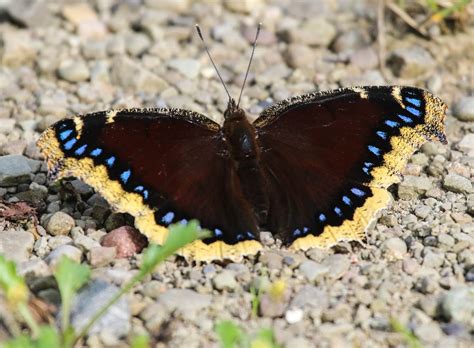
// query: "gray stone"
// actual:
[[423, 211], [338, 265], [413, 186], [169, 5], [244, 6], [310, 296], [59, 224], [184, 300], [433, 260], [34, 269], [86, 243], [395, 248], [18, 48], [69, 251], [16, 245], [73, 70], [30, 13], [351, 40], [225, 281], [464, 109], [458, 305], [271, 259], [115, 322], [14, 170], [467, 144], [429, 332], [137, 44], [132, 76], [314, 32], [300, 56], [457, 183], [186, 67], [411, 62], [312, 270]]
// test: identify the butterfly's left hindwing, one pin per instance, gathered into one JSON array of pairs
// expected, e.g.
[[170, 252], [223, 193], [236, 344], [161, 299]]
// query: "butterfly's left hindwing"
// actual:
[[329, 157]]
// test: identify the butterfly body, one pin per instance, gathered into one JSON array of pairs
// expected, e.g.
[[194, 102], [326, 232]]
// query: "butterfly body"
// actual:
[[312, 169]]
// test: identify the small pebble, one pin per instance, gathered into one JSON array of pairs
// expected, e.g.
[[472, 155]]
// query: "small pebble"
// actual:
[[59, 224], [127, 241], [464, 109]]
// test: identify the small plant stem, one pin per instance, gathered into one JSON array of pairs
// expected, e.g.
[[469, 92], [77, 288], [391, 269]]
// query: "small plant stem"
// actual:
[[30, 321], [165, 253]]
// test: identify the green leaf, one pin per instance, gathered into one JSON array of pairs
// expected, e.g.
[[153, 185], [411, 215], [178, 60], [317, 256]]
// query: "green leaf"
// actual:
[[230, 335], [22, 341], [11, 283], [265, 338], [48, 338], [70, 276], [410, 338], [179, 236], [141, 341]]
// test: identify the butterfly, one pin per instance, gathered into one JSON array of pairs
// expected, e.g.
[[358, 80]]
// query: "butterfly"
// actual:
[[313, 169]]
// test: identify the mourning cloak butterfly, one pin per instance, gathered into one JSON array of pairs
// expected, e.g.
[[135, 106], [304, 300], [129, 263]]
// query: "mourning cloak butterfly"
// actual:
[[312, 169]]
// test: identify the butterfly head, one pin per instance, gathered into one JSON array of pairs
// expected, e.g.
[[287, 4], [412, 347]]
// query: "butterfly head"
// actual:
[[233, 111]]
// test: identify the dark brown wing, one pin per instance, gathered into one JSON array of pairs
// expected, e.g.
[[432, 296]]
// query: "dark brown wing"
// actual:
[[172, 163], [323, 153]]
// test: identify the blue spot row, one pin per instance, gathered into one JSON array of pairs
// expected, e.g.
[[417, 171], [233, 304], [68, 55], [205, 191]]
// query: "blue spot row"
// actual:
[[413, 101], [168, 218], [96, 152], [392, 124], [65, 134], [69, 144], [375, 150], [80, 151], [405, 119], [413, 111], [125, 176]]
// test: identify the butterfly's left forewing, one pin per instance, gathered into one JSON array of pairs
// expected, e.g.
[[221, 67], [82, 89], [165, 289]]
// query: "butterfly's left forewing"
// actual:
[[162, 166], [329, 157]]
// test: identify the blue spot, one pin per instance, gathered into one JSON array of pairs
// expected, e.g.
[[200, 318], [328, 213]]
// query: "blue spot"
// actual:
[[296, 233], [138, 189], [217, 232], [80, 150], [392, 124], [405, 118], [357, 192], [414, 101], [183, 222], [125, 175], [338, 211], [368, 164], [322, 217], [70, 144], [375, 150], [413, 111], [366, 170], [240, 237], [64, 134], [346, 200], [110, 161], [383, 135], [250, 235], [96, 152], [145, 194], [168, 217], [305, 230]]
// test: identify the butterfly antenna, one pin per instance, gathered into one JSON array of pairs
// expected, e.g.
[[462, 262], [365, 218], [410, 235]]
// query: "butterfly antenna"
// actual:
[[250, 62], [212, 61]]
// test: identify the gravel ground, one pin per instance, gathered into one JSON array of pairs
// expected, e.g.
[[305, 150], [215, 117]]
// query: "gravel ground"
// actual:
[[60, 58]]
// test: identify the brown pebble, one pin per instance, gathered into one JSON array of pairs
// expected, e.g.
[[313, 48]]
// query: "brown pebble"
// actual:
[[127, 241]]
